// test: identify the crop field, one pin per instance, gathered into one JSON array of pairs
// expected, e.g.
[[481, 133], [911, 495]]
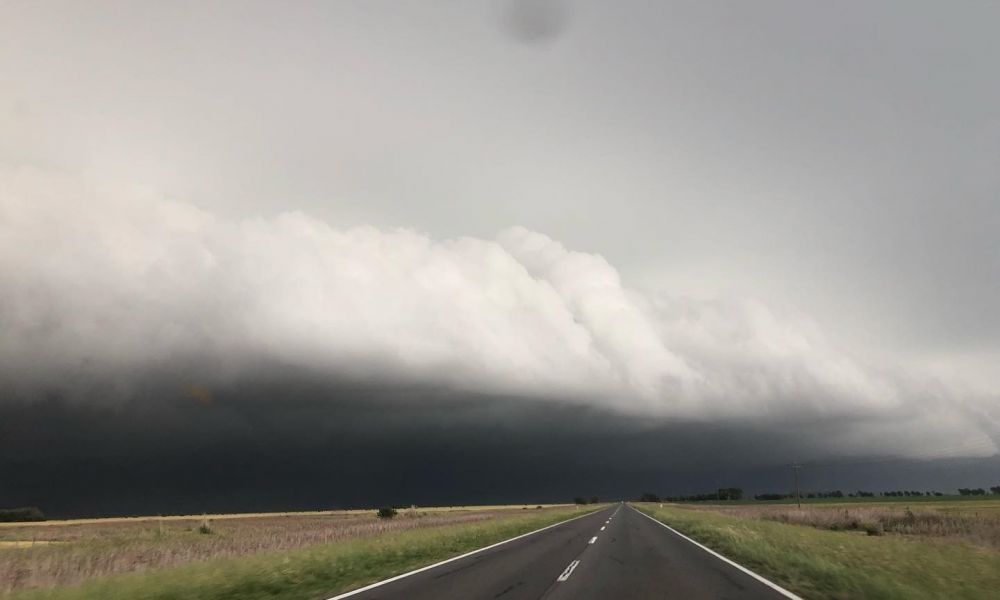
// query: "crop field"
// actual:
[[56, 554], [940, 548]]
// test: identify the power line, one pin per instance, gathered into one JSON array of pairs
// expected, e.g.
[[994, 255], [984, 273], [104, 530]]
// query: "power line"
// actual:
[[795, 471]]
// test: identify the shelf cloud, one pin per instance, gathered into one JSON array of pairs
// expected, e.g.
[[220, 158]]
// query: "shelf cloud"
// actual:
[[106, 291]]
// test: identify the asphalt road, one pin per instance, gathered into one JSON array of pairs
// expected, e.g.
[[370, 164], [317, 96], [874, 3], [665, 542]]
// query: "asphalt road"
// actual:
[[632, 557]]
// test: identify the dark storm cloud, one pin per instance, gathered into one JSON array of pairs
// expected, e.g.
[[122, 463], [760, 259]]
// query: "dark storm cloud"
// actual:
[[106, 291], [296, 440]]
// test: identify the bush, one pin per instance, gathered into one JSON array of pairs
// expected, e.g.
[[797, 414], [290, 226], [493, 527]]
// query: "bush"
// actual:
[[26, 513], [386, 512], [206, 526]]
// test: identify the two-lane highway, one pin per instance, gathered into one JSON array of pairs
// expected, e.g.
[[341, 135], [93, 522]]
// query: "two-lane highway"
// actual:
[[613, 553]]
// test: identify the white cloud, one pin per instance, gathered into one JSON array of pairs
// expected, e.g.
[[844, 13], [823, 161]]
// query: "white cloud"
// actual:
[[100, 281]]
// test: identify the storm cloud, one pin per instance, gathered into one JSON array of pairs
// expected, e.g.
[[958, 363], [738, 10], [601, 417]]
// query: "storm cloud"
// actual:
[[493, 251], [106, 288]]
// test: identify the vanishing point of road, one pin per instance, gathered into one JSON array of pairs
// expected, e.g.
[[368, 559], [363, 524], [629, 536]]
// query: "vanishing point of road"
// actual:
[[614, 553]]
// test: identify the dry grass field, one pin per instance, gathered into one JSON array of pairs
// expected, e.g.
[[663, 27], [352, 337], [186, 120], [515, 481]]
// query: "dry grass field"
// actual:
[[974, 522], [60, 553]]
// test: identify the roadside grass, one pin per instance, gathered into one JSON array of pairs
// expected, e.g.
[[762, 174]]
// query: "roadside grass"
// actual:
[[71, 552], [318, 571], [351, 512], [842, 565], [989, 503], [980, 528]]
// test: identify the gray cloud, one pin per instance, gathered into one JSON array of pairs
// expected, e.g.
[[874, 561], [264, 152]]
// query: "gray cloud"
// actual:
[[775, 225], [795, 152], [535, 21], [103, 284]]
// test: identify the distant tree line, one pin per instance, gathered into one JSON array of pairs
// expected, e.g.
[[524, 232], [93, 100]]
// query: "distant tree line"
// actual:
[[719, 494], [887, 494], [832, 494], [840, 494], [27, 513], [583, 500], [772, 496], [737, 494]]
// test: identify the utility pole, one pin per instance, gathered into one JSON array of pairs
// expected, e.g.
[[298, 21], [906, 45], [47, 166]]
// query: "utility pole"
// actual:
[[795, 471]]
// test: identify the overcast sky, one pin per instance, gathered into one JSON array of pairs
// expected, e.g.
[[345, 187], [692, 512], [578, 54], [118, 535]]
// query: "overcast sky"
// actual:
[[712, 213]]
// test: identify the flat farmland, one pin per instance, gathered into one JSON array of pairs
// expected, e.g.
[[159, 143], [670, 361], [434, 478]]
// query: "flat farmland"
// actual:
[[57, 554], [976, 522], [886, 549]]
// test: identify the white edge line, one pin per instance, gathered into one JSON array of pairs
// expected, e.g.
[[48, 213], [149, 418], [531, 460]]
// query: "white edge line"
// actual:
[[768, 583], [569, 571], [454, 558]]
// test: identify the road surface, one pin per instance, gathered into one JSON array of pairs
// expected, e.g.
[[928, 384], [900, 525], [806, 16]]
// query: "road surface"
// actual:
[[615, 553]]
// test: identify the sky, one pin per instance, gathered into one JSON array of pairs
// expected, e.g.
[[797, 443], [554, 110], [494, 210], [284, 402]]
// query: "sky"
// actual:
[[338, 253]]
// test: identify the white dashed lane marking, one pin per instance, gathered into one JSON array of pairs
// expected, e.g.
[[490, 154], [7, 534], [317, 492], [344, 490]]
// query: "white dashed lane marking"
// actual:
[[569, 571]]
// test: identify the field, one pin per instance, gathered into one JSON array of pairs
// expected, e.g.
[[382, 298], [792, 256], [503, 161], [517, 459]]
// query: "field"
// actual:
[[933, 548], [211, 556], [990, 502], [976, 522]]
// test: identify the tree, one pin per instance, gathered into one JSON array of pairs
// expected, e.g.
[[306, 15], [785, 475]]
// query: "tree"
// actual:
[[386, 512], [579, 500], [649, 497], [594, 500], [27, 513], [729, 494]]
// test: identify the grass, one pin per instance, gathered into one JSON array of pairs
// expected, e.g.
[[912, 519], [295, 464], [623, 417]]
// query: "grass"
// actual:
[[991, 502], [820, 563], [225, 516], [100, 547], [315, 571], [980, 528]]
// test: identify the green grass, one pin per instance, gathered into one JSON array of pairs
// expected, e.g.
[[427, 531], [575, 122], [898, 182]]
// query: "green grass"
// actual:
[[841, 565], [992, 501], [315, 572]]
